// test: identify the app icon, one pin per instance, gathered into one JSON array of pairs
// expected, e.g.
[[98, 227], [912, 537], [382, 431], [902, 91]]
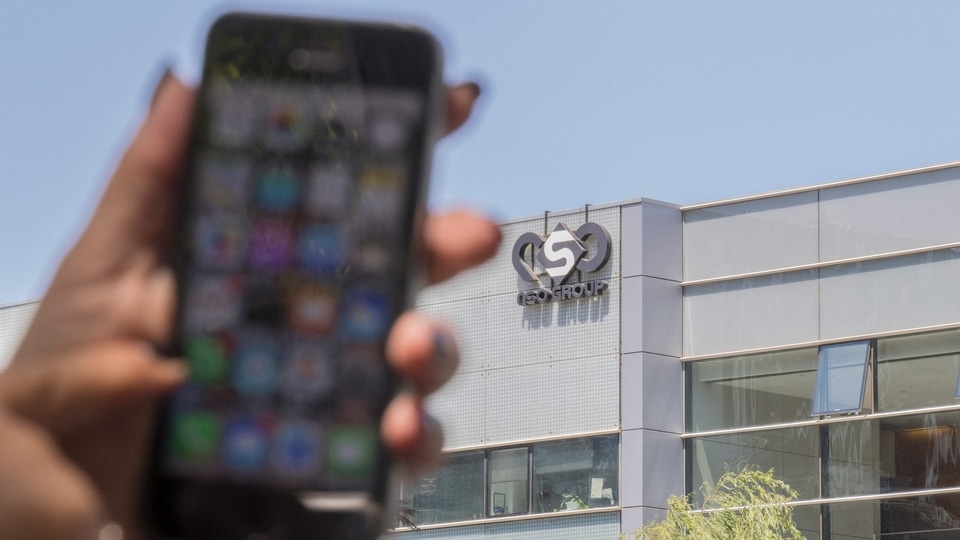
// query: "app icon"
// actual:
[[224, 183], [233, 114], [213, 302], [313, 310], [363, 371], [195, 435], [328, 190], [256, 367], [341, 118], [271, 244], [297, 451], [322, 249], [371, 256], [351, 451], [289, 126], [308, 373], [219, 242], [277, 189], [380, 194], [246, 443], [366, 315], [207, 358], [388, 131], [264, 300]]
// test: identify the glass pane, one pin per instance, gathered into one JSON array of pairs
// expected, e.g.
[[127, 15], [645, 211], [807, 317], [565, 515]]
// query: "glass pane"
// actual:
[[752, 390], [575, 474], [452, 493], [841, 377], [932, 517], [509, 492], [918, 371], [792, 453]]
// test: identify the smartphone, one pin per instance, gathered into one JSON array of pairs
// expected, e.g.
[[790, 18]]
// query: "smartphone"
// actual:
[[302, 194]]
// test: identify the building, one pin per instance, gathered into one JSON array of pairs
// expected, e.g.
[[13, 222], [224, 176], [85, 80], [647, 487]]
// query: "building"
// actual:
[[615, 355], [14, 319], [815, 331]]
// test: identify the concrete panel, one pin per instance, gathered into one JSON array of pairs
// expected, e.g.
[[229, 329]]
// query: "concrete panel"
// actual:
[[652, 240], [14, 320], [905, 212], [634, 517], [651, 467], [778, 309], [750, 236], [652, 392], [651, 316], [890, 294]]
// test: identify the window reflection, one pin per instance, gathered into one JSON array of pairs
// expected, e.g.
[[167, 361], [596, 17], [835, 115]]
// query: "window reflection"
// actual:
[[841, 378], [751, 390], [568, 475], [918, 371], [452, 493], [575, 475], [508, 482]]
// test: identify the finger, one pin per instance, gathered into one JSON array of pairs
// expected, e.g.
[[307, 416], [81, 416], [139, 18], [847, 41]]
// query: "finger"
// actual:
[[421, 352], [138, 206], [460, 101], [414, 437], [42, 495], [458, 240], [89, 385]]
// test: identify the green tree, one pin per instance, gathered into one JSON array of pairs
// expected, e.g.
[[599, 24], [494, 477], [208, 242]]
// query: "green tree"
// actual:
[[746, 505]]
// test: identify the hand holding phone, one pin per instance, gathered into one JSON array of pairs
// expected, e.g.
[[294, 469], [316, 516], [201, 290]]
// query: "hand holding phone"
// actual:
[[301, 200], [84, 385]]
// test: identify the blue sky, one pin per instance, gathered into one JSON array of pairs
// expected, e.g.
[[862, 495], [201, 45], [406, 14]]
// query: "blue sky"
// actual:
[[583, 102]]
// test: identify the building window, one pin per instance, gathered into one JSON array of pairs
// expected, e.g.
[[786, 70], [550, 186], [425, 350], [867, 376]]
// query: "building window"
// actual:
[[841, 378], [567, 475], [509, 482], [575, 475], [452, 493], [754, 390]]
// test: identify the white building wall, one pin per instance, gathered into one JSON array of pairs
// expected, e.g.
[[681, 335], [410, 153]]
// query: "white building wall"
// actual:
[[902, 232], [14, 320]]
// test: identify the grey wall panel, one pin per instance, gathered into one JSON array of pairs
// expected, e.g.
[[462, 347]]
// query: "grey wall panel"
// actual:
[[553, 399], [634, 517], [895, 214], [651, 467], [751, 236], [460, 406], [772, 310], [651, 392], [14, 320], [603, 526], [890, 294], [651, 319], [495, 332], [652, 241]]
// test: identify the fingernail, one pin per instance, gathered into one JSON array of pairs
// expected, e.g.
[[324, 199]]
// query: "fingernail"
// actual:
[[474, 87], [432, 434], [167, 73], [428, 455]]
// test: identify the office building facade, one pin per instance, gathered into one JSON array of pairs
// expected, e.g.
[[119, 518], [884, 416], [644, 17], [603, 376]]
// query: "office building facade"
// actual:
[[814, 332]]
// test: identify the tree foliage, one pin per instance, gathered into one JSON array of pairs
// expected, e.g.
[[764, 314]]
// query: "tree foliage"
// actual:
[[746, 505]]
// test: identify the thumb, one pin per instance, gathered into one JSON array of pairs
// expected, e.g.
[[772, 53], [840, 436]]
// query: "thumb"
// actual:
[[87, 385]]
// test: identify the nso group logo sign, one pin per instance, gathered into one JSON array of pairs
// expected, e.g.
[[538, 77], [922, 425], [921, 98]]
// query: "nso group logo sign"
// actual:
[[550, 261]]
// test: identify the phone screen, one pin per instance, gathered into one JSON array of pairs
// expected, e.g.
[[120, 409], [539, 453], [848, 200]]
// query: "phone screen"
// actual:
[[300, 198]]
